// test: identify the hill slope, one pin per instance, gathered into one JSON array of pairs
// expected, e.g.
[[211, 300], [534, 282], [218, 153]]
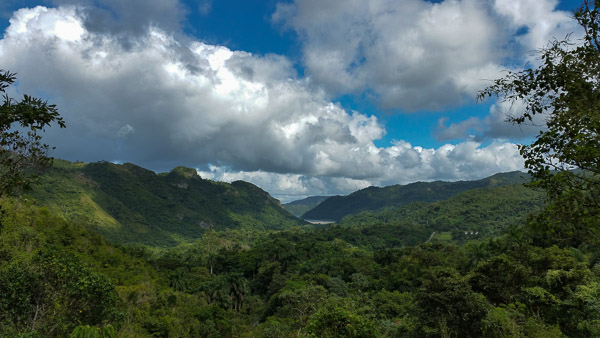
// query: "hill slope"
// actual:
[[130, 204], [300, 207], [485, 211], [375, 198]]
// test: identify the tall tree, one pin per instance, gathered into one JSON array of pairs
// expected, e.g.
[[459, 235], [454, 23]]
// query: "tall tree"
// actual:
[[22, 153], [564, 159]]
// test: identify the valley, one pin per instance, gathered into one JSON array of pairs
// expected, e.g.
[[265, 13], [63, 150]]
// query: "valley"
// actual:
[[131, 263], [421, 212]]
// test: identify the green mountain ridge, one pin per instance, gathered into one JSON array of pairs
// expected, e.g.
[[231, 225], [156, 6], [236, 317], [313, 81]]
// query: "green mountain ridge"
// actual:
[[481, 212], [375, 274], [130, 204], [299, 207], [376, 198]]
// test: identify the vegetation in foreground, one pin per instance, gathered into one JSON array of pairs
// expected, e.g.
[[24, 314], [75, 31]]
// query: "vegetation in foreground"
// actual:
[[57, 275]]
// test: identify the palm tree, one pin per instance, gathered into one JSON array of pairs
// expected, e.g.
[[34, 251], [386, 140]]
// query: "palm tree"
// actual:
[[238, 288], [228, 291], [477, 252]]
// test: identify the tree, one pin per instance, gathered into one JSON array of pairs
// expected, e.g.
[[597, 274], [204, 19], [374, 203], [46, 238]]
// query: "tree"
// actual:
[[22, 153], [447, 305], [334, 321], [86, 331], [299, 301], [53, 292], [228, 290], [564, 159]]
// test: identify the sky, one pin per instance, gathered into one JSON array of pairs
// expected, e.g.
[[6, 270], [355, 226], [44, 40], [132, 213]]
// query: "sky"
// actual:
[[300, 97]]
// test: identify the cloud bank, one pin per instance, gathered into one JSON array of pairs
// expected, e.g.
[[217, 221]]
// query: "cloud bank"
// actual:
[[400, 164], [160, 100], [417, 55]]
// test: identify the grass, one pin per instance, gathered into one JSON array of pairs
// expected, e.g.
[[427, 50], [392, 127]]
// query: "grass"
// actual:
[[444, 236]]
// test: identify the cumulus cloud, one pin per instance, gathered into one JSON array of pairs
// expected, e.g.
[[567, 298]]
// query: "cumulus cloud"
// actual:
[[220, 106], [401, 163], [466, 160], [128, 19], [415, 54], [160, 101], [540, 22], [288, 187], [459, 130], [496, 125]]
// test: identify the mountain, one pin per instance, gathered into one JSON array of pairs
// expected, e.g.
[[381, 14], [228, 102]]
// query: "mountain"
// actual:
[[130, 204], [300, 207], [483, 212], [65, 279], [375, 198]]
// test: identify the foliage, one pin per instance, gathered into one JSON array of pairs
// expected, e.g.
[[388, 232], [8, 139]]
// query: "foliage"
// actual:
[[333, 322], [22, 154], [53, 274], [564, 157], [330, 282], [130, 204], [375, 198], [299, 207], [86, 331], [374, 275], [52, 292], [472, 214], [449, 306]]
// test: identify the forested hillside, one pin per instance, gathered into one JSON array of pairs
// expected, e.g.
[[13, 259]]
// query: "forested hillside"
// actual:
[[476, 213], [376, 274], [299, 207], [363, 281], [130, 204], [375, 198]]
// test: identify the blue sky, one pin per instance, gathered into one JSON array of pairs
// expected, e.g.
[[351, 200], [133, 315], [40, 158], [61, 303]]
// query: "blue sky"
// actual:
[[224, 26], [302, 97]]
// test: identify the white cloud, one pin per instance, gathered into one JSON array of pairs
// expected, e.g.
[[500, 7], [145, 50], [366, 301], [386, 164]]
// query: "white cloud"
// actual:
[[459, 130], [541, 21], [288, 187], [125, 130], [160, 101], [204, 7], [128, 19], [414, 54], [207, 104], [400, 164], [467, 160], [496, 125]]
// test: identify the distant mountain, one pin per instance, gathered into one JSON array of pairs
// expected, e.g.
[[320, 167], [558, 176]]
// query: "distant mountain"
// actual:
[[482, 211], [130, 204], [375, 198], [299, 207]]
